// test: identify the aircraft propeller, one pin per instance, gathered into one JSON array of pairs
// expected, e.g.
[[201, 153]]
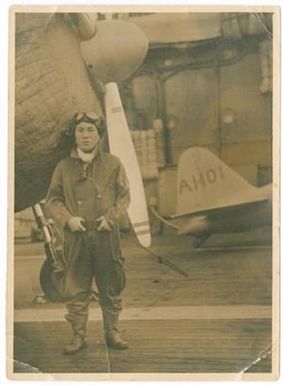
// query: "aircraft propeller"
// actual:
[[112, 58]]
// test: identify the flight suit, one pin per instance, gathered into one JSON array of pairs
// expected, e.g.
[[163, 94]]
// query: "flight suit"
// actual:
[[91, 191]]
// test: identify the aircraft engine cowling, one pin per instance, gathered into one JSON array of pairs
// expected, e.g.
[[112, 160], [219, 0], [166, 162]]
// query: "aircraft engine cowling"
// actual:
[[51, 84]]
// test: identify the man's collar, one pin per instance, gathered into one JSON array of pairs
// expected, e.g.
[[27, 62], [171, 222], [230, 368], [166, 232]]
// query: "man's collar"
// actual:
[[74, 154]]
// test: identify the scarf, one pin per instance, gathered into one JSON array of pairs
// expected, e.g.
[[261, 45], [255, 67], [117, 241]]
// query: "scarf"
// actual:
[[87, 157]]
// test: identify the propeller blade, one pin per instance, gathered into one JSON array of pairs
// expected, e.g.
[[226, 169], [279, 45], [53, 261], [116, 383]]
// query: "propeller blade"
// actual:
[[121, 145]]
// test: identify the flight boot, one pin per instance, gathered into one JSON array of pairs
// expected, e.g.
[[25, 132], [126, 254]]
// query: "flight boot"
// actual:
[[76, 344], [113, 337], [78, 341], [114, 340]]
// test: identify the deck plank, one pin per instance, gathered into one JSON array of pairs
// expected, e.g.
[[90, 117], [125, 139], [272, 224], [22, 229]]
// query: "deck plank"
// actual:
[[156, 346]]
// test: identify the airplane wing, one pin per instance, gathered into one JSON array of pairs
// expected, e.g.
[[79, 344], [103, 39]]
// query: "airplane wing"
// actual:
[[237, 217], [221, 209]]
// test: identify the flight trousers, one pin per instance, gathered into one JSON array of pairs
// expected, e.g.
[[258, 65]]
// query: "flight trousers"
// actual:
[[93, 255]]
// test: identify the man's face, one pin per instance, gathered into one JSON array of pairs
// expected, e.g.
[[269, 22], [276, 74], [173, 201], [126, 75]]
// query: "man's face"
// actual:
[[86, 136]]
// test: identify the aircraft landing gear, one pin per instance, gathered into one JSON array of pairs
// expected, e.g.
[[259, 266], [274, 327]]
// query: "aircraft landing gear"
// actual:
[[52, 281], [52, 271]]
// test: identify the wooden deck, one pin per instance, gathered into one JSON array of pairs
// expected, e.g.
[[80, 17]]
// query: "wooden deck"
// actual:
[[156, 346], [218, 320]]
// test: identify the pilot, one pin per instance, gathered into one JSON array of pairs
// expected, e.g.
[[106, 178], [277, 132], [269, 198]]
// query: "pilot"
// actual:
[[88, 195]]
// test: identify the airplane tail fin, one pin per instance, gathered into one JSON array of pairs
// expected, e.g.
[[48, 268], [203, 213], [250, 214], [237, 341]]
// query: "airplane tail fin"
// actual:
[[205, 182]]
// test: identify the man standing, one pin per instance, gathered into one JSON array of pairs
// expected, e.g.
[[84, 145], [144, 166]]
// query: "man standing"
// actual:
[[88, 194]]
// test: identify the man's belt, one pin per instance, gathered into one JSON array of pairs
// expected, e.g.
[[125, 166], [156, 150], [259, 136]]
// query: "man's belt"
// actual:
[[90, 225]]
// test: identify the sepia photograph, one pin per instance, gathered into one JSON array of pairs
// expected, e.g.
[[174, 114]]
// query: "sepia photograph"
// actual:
[[143, 214]]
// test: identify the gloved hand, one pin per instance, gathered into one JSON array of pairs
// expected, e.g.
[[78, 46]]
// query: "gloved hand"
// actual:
[[104, 224], [76, 224]]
